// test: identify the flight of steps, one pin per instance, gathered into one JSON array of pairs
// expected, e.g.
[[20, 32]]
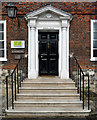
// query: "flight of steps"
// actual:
[[47, 96]]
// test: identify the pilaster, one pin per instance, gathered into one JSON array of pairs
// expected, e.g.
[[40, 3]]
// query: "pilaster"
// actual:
[[32, 51]]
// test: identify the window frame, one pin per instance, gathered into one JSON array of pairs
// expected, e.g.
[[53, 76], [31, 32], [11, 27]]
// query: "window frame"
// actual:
[[92, 58], [5, 57]]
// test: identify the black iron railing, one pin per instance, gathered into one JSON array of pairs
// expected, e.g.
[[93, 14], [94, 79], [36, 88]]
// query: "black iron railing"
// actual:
[[14, 80], [77, 74]]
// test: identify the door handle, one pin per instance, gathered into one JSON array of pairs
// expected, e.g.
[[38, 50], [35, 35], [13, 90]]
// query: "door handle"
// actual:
[[41, 56]]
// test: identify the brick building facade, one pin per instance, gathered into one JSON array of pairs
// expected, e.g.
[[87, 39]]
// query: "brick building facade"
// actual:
[[79, 34], [50, 34]]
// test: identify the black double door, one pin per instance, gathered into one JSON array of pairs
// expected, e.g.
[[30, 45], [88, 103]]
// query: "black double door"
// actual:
[[48, 53]]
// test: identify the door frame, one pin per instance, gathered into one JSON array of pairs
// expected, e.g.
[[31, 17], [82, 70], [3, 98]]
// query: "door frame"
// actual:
[[59, 49], [48, 18]]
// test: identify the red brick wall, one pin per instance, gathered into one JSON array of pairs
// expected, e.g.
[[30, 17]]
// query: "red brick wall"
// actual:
[[80, 39]]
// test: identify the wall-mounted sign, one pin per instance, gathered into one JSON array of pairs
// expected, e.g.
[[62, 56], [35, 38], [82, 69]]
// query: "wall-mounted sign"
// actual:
[[18, 51], [18, 44]]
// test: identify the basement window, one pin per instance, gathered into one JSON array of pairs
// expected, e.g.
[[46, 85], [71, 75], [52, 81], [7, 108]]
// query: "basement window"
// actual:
[[3, 40], [93, 40]]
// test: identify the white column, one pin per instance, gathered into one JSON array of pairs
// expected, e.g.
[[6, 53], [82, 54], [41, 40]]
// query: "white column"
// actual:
[[68, 51], [32, 55], [64, 51]]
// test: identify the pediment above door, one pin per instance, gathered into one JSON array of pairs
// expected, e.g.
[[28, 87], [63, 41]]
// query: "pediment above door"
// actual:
[[48, 12]]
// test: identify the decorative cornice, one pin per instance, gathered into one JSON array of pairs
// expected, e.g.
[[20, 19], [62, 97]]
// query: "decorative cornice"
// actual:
[[62, 14]]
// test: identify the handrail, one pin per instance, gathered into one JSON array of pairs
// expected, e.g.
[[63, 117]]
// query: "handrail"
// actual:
[[80, 82], [16, 79]]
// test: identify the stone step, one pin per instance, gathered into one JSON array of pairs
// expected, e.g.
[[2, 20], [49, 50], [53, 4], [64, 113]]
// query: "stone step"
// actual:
[[48, 80], [48, 91], [53, 111], [48, 95], [29, 114], [48, 104], [47, 108], [47, 85], [48, 99], [54, 88]]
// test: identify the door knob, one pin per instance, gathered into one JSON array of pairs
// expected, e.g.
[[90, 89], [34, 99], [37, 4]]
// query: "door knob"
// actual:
[[41, 56]]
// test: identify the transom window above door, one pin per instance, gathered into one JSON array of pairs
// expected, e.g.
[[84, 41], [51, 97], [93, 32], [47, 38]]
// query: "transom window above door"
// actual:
[[3, 40]]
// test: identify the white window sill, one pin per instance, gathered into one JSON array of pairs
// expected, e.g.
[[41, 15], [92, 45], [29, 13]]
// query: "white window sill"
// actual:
[[93, 59], [3, 59]]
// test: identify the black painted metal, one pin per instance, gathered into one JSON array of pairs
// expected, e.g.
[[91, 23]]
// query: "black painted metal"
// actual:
[[20, 76], [88, 93], [80, 80], [80, 84], [12, 90], [15, 83], [7, 92], [83, 91], [16, 79]]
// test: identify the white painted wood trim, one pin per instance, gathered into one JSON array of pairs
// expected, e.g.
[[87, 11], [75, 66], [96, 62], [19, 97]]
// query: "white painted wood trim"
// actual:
[[5, 45], [92, 58], [62, 25]]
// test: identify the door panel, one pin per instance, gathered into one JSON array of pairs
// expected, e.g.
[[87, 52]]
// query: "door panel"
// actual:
[[43, 48], [44, 66], [53, 70], [48, 53], [53, 48]]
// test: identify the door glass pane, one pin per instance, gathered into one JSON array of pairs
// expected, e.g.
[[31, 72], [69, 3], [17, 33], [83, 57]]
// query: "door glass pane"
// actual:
[[2, 27], [94, 44], [1, 36], [53, 36], [94, 53], [44, 36], [1, 53]]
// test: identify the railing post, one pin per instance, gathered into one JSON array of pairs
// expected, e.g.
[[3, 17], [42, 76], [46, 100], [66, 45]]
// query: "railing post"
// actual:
[[88, 93], [20, 75], [83, 91], [22, 69], [78, 80], [80, 84], [15, 83], [12, 91], [7, 91], [76, 76]]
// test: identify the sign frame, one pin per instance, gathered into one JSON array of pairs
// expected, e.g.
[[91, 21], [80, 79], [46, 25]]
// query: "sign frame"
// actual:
[[17, 44]]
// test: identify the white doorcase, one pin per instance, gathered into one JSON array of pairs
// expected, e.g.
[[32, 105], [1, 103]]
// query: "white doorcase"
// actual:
[[63, 50], [48, 18]]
